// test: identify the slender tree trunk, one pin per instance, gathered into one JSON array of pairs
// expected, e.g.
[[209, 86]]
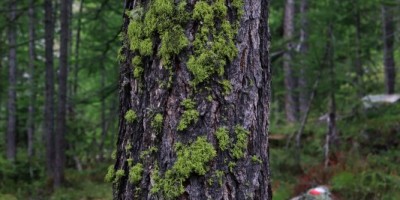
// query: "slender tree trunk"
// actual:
[[388, 42], [49, 88], [12, 81], [291, 106], [358, 60], [31, 80], [199, 135], [331, 139], [303, 85], [103, 114], [77, 47], [62, 100]]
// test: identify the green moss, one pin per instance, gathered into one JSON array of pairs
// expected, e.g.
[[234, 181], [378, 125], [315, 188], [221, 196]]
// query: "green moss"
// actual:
[[157, 122], [241, 142], [190, 159], [213, 45], [256, 159], [128, 146], [130, 116], [121, 57], [118, 175], [219, 174], [146, 47], [231, 165], [148, 152], [137, 72], [209, 98], [189, 116], [135, 173], [110, 174], [222, 135], [130, 162], [227, 86]]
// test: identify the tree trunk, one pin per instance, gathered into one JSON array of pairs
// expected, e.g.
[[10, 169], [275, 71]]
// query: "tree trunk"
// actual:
[[194, 101], [49, 88], [62, 101], [388, 58], [31, 80], [291, 107], [358, 60], [303, 85], [12, 81]]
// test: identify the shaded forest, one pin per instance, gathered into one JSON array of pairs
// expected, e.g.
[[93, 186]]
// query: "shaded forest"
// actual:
[[295, 94]]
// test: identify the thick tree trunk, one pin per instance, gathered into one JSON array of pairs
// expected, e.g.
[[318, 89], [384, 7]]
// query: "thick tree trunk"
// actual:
[[186, 132], [31, 80], [62, 101], [49, 88], [303, 85], [388, 41], [12, 81], [291, 103]]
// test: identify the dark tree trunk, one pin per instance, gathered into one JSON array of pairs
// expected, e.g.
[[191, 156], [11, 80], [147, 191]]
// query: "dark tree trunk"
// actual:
[[291, 103], [388, 41], [49, 88], [358, 60], [303, 85], [62, 100], [191, 131], [31, 80], [12, 81], [331, 139]]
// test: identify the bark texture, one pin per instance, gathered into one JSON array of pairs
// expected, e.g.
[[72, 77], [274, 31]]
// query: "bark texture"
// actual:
[[245, 106], [291, 103], [12, 81], [49, 88], [388, 42], [62, 100]]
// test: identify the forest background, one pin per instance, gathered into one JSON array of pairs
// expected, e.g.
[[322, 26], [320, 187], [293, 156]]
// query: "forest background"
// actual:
[[59, 66]]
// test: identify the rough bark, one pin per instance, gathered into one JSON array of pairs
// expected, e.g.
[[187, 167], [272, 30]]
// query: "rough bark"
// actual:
[[12, 81], [388, 42], [32, 92], [62, 95], [291, 103], [247, 106], [49, 88], [303, 48]]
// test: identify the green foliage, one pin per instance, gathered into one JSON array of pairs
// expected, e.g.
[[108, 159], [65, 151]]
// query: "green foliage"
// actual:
[[190, 159], [135, 173], [366, 185], [157, 122], [130, 116], [240, 146], [222, 135], [189, 116]]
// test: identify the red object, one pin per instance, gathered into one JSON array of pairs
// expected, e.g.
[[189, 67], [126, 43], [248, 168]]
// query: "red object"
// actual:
[[315, 192]]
